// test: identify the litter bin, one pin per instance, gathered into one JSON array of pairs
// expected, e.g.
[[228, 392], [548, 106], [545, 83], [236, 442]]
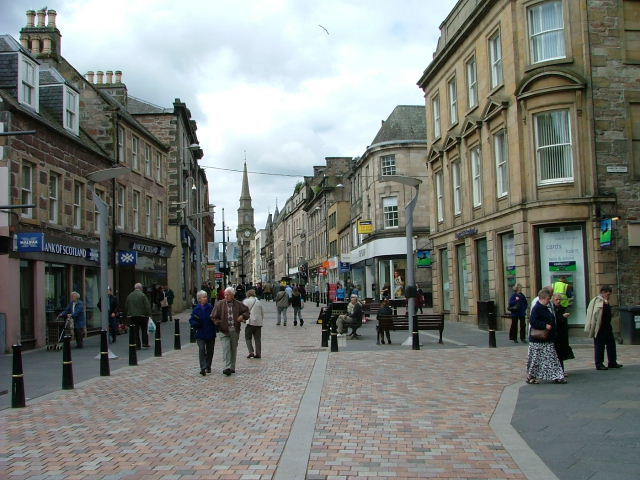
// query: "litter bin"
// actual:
[[486, 312], [630, 324]]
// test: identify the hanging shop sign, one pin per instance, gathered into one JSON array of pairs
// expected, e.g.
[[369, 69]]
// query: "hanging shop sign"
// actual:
[[365, 227], [605, 232], [424, 258], [127, 257], [345, 267]]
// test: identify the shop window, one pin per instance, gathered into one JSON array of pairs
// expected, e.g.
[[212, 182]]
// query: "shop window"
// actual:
[[26, 192], [546, 31], [495, 60], [54, 197], [463, 272], [476, 172], [554, 151], [56, 289], [387, 165], [472, 83], [501, 156], [390, 210], [482, 256], [446, 280]]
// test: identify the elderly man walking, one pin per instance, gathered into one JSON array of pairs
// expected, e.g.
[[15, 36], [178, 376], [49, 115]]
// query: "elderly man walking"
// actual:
[[227, 315], [138, 309]]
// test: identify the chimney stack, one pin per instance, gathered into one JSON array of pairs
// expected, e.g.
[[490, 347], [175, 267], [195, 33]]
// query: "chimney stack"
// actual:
[[41, 14], [100, 74], [31, 17], [46, 46], [89, 76], [118, 76], [51, 21], [35, 45], [109, 77]]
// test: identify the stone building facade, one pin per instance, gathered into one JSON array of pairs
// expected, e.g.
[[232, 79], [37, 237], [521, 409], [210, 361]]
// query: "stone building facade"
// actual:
[[518, 153]]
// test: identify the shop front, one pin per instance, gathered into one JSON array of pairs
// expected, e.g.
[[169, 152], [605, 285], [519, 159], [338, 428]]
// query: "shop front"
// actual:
[[51, 266], [141, 260]]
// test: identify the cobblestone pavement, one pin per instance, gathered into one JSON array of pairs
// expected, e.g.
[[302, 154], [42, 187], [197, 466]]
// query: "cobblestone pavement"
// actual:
[[383, 414]]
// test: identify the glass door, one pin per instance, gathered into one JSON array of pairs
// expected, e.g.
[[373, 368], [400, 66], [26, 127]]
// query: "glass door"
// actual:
[[27, 331]]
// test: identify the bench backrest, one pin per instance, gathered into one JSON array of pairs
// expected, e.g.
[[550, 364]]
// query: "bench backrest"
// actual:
[[401, 322]]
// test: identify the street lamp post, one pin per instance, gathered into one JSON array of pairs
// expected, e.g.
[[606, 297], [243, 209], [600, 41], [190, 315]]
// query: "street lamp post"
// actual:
[[410, 290], [100, 176]]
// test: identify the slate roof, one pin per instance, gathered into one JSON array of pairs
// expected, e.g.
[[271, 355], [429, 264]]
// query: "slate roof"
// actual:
[[136, 106], [406, 122], [50, 76]]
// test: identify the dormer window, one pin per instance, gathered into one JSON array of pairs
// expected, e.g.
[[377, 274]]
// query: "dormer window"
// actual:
[[71, 107], [28, 83]]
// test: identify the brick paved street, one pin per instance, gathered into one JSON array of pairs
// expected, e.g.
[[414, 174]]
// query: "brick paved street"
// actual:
[[383, 412]]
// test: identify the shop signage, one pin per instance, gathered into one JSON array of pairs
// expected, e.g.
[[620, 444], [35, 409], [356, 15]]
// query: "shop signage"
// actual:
[[149, 249], [127, 257], [562, 266], [605, 232], [617, 169], [29, 242], [424, 258], [365, 227], [345, 267], [466, 233], [322, 271]]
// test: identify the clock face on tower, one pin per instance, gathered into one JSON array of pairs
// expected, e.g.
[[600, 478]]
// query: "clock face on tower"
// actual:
[[247, 233]]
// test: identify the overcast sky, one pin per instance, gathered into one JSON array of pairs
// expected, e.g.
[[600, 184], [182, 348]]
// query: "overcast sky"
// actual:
[[260, 77]]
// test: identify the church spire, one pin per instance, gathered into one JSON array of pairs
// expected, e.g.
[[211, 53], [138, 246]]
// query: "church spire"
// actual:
[[245, 211]]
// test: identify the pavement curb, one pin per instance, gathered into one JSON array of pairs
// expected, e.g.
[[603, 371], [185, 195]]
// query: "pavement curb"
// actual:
[[529, 462]]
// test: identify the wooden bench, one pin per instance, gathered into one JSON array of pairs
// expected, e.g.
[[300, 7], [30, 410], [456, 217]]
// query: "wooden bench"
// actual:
[[401, 322]]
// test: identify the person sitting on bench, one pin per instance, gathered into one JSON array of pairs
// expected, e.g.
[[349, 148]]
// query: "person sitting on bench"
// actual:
[[352, 319]]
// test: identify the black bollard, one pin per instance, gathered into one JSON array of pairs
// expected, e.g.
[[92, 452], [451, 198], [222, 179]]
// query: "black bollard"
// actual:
[[192, 335], [104, 355], [334, 336], [415, 336], [325, 327], [492, 329], [17, 379], [67, 365], [158, 345], [133, 356], [176, 335]]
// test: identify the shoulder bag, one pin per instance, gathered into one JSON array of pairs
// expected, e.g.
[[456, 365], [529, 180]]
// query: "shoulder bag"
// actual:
[[539, 334]]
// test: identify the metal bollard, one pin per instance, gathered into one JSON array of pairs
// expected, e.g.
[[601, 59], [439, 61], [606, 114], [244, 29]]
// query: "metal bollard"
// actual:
[[415, 335], [104, 355], [67, 365], [17, 379], [334, 336], [192, 335], [325, 328], [158, 344], [492, 329], [176, 335], [133, 356]]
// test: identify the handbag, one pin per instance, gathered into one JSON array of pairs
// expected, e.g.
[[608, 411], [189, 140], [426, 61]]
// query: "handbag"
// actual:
[[513, 308], [164, 302], [538, 334]]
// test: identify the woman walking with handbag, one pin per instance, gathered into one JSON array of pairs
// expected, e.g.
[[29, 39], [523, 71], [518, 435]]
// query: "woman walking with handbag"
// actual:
[[518, 309], [542, 362], [205, 331], [253, 330]]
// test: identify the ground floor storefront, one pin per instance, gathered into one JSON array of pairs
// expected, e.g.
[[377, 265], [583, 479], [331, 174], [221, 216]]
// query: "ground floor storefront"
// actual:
[[482, 263]]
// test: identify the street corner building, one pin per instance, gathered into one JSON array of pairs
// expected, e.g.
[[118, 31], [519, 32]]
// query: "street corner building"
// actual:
[[533, 129]]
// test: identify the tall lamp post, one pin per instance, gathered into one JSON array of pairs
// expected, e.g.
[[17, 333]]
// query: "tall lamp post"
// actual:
[[410, 290], [94, 177]]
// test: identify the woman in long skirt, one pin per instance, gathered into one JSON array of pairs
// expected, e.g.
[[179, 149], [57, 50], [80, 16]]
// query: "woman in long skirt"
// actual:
[[543, 363]]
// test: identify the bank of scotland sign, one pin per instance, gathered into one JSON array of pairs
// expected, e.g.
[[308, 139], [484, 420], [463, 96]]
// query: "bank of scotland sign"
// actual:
[[29, 242], [127, 257]]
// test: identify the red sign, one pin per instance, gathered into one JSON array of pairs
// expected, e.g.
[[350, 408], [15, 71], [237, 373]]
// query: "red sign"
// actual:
[[219, 275], [322, 271], [333, 290]]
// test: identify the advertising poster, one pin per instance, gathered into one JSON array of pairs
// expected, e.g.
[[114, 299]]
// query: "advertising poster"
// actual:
[[424, 258], [605, 232]]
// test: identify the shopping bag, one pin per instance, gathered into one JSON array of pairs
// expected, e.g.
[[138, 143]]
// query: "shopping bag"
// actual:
[[151, 327]]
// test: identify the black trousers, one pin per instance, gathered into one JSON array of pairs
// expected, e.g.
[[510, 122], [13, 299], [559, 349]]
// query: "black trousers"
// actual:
[[513, 331], [166, 313], [603, 340], [141, 323], [205, 352], [79, 334]]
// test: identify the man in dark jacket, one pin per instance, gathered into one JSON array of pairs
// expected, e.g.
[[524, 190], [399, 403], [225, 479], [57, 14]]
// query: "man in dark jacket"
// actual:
[[227, 315], [138, 309], [112, 314], [353, 318], [75, 311]]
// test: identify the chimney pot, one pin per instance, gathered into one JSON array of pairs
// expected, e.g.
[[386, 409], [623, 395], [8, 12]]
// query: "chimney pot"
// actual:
[[51, 22], [41, 15], [90, 76], [118, 76], [31, 16], [100, 75], [109, 77], [24, 41], [46, 45], [35, 45]]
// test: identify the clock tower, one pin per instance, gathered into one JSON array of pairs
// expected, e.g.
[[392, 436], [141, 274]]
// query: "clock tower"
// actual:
[[246, 229]]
